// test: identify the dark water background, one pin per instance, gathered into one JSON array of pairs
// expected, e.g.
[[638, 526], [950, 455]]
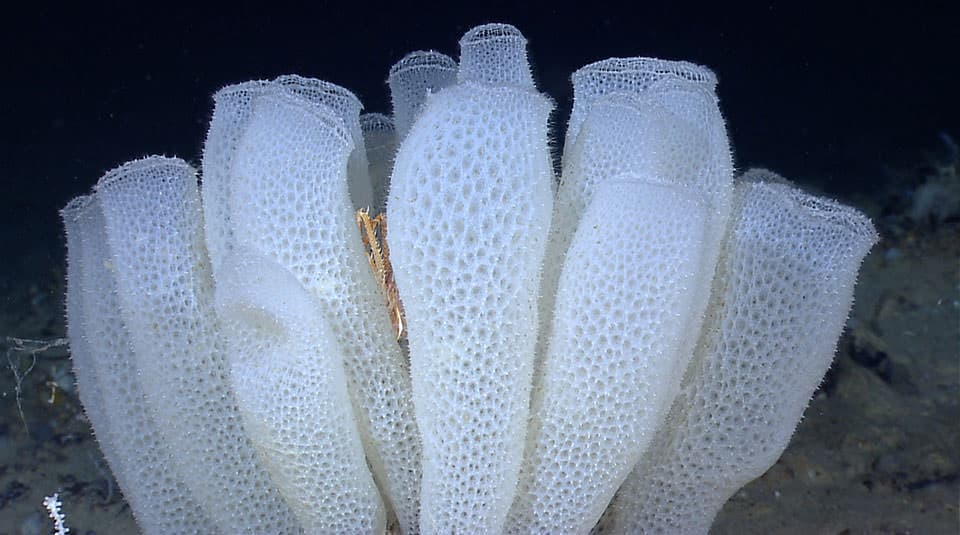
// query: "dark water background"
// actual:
[[825, 95]]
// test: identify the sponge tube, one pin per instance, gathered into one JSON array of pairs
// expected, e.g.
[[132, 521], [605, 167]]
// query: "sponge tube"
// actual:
[[109, 386], [153, 222], [288, 200], [783, 290], [469, 209], [627, 297], [412, 79], [288, 377]]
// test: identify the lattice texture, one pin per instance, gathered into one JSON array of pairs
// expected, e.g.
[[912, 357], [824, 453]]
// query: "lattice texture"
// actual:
[[626, 75], [469, 208], [347, 107], [108, 385], [784, 288], [671, 132], [495, 54], [232, 106], [153, 222], [317, 407], [412, 80], [289, 202], [286, 367], [289, 381], [380, 138], [627, 298]]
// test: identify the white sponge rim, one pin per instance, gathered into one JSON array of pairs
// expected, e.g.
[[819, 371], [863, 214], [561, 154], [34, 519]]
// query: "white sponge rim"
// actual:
[[656, 66], [422, 60]]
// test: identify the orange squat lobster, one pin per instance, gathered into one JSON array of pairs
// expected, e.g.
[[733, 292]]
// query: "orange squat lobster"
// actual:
[[373, 232]]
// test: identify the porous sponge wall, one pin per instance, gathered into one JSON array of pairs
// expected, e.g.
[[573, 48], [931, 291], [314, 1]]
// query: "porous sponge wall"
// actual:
[[469, 214], [494, 54], [288, 148], [153, 223], [784, 287], [626, 75], [289, 381], [232, 108], [626, 299], [469, 209], [669, 130], [287, 198], [380, 138], [414, 77], [108, 386], [345, 105]]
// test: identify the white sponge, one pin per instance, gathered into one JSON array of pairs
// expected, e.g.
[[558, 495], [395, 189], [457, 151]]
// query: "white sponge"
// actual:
[[783, 290], [671, 130], [289, 381], [153, 222], [109, 387], [412, 79], [231, 112], [627, 298], [495, 54], [288, 201], [345, 105], [469, 208], [626, 75], [380, 139]]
